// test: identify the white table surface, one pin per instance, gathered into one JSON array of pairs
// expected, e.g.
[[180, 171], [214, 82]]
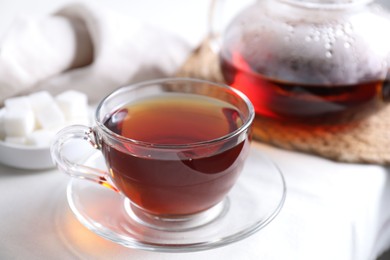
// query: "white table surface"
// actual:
[[332, 211]]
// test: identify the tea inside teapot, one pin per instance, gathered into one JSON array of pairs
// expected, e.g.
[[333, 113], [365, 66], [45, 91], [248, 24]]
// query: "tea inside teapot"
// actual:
[[310, 61]]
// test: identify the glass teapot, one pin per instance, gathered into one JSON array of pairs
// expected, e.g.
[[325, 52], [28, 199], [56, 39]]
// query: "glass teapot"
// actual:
[[320, 61]]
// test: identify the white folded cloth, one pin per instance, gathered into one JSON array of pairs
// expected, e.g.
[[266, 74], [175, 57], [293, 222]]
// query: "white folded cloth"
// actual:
[[86, 48]]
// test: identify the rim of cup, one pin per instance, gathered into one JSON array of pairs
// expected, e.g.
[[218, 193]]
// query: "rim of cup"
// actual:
[[246, 124]]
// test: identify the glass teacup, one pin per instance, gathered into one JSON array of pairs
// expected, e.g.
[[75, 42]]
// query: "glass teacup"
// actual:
[[173, 148]]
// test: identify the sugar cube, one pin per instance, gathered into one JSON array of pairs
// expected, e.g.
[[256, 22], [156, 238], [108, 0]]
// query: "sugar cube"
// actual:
[[74, 104], [35, 119], [46, 110], [40, 138], [18, 122], [50, 116], [18, 103], [15, 140], [39, 100], [18, 117]]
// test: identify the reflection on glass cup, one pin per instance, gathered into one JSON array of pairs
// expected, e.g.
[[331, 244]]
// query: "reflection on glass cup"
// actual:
[[173, 147]]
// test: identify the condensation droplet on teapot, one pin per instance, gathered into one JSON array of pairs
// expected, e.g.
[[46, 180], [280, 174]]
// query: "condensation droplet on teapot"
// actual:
[[347, 44], [329, 54]]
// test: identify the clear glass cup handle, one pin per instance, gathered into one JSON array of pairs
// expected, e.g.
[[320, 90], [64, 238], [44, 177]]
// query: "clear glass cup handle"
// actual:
[[74, 169]]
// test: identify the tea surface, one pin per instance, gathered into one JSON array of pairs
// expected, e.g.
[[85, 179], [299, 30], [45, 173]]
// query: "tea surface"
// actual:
[[175, 119]]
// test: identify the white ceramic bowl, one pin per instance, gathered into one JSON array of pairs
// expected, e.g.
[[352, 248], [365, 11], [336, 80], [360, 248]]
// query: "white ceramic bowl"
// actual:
[[25, 157]]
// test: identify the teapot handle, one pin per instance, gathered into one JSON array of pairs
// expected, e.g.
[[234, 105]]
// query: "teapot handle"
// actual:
[[214, 23], [221, 13]]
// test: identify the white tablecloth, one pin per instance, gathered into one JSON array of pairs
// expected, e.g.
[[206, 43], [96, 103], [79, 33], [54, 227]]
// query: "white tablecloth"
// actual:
[[332, 211]]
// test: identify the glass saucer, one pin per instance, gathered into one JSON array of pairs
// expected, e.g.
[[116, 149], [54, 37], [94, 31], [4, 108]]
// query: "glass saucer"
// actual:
[[253, 203]]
